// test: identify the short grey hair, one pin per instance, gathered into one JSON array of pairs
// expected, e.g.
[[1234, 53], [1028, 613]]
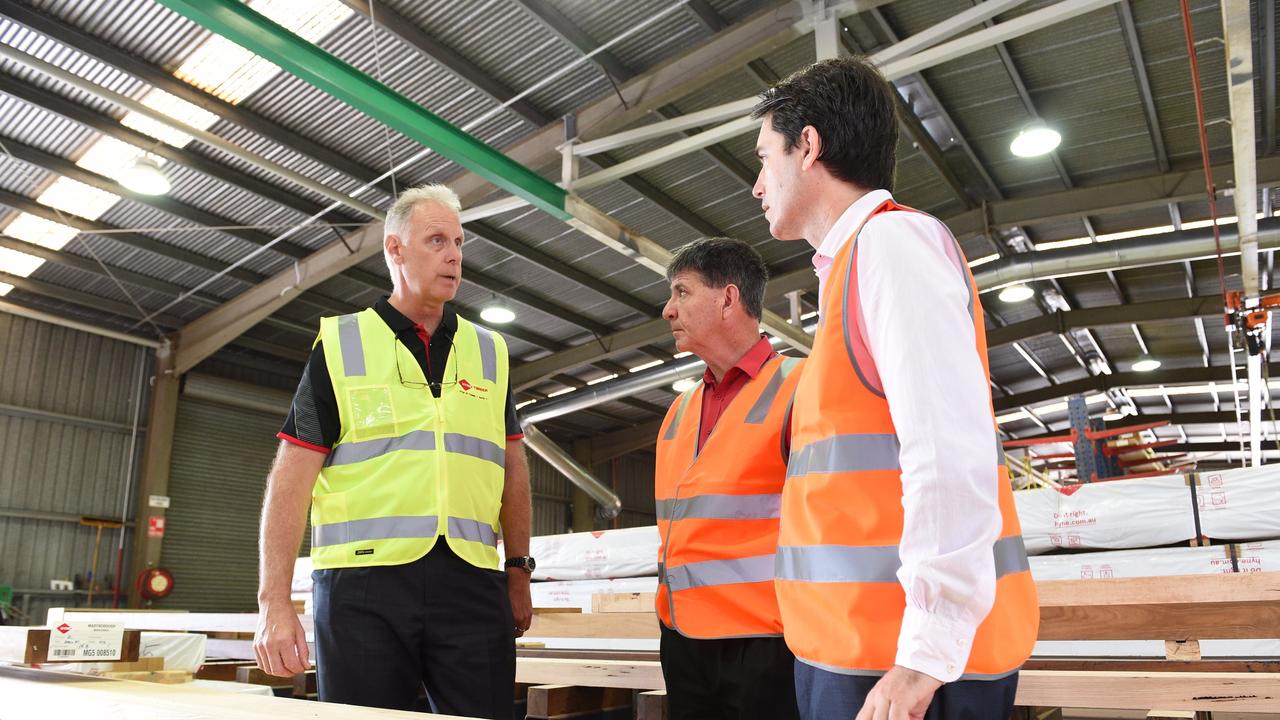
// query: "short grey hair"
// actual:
[[397, 220], [400, 212]]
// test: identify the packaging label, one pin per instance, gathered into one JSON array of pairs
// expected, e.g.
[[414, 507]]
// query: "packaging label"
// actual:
[[86, 641]]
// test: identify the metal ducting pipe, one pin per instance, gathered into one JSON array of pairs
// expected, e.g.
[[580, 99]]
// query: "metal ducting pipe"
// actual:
[[609, 503], [1120, 255], [593, 395]]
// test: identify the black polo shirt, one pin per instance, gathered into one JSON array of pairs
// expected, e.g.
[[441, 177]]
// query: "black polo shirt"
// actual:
[[313, 418]]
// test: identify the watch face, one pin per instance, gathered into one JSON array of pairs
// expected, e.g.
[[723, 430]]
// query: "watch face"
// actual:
[[530, 564]]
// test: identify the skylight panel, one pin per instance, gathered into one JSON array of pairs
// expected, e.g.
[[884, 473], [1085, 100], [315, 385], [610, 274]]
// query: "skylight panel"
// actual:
[[75, 197], [38, 231]]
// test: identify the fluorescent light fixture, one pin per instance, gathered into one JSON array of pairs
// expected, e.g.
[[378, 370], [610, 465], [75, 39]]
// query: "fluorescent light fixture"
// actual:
[[1016, 293], [526, 402], [683, 384], [1010, 417], [1145, 364], [39, 231], [5, 288], [599, 380], [646, 366], [684, 354], [984, 260], [1069, 242], [810, 314], [498, 314], [1036, 139], [558, 393], [145, 176], [77, 198]]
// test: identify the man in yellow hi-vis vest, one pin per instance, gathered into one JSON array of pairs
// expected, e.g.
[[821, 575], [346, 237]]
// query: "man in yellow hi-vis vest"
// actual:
[[404, 440]]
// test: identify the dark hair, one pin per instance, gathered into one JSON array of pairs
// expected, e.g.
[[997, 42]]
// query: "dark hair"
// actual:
[[723, 261], [854, 111]]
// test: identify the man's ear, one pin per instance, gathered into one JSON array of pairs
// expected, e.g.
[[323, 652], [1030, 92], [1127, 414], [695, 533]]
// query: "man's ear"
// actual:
[[810, 147], [391, 244], [731, 296]]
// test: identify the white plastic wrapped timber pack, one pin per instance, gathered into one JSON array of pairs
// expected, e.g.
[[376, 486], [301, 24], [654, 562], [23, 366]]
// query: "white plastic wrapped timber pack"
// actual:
[[598, 555], [577, 593], [1112, 515], [1158, 562], [1241, 504]]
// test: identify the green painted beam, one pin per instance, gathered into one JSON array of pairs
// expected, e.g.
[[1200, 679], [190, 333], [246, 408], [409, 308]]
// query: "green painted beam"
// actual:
[[238, 23]]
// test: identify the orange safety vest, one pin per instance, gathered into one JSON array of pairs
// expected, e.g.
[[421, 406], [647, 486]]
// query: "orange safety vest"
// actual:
[[718, 509], [841, 601]]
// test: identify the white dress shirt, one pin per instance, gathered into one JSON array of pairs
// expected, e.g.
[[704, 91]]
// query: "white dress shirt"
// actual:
[[914, 296]]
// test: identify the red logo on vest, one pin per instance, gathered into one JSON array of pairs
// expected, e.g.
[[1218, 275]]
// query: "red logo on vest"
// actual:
[[464, 384]]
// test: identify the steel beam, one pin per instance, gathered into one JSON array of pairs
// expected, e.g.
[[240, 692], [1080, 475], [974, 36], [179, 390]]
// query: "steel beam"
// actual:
[[1059, 322], [1107, 198], [437, 52], [656, 330], [146, 282], [494, 236], [252, 31], [111, 127], [157, 454], [159, 78], [21, 310], [1130, 33], [1238, 32], [1102, 383], [620, 442], [1268, 77]]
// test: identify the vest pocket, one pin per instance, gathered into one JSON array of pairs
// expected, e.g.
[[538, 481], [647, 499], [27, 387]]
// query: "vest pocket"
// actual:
[[373, 413]]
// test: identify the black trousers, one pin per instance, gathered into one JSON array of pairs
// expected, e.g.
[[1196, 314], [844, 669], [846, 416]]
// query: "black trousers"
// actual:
[[734, 679], [826, 695], [383, 633]]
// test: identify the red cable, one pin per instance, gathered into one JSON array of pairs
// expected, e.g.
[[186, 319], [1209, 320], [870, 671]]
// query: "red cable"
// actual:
[[1204, 149]]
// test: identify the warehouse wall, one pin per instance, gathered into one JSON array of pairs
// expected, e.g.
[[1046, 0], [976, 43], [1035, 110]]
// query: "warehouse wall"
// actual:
[[631, 478], [67, 403]]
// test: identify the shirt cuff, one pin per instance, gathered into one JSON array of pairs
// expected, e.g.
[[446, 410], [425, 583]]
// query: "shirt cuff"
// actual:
[[934, 645], [302, 443]]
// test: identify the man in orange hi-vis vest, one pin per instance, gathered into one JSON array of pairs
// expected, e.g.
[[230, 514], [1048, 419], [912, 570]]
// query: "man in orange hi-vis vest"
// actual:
[[718, 484], [901, 575]]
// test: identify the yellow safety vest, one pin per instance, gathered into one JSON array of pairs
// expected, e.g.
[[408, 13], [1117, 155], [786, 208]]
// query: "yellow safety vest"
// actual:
[[410, 467]]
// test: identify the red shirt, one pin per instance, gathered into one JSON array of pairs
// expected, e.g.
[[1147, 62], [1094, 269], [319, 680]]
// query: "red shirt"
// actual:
[[716, 396]]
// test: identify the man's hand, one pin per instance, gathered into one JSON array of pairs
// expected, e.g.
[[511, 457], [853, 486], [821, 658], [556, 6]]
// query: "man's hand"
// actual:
[[280, 642], [902, 694], [521, 603]]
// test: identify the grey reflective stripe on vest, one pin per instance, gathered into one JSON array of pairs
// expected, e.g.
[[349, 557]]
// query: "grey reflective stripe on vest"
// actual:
[[875, 564], [675, 421], [721, 507], [352, 346], [354, 452], [488, 353], [475, 447], [404, 526], [845, 453], [472, 530], [764, 403], [720, 572]]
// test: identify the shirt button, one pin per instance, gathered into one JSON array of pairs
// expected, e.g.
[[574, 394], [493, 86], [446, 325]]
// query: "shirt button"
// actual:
[[951, 668], [959, 643]]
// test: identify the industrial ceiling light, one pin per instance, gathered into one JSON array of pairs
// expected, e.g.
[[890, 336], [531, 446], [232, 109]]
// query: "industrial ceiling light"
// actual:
[[683, 384], [497, 313], [1145, 364], [145, 176], [1016, 293], [1036, 139]]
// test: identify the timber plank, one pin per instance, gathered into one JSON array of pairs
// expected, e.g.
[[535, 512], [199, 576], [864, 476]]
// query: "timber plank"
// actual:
[[1242, 692], [553, 701], [28, 645], [628, 625]]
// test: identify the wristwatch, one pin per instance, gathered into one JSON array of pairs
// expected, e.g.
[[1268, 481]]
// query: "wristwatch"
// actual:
[[523, 562]]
